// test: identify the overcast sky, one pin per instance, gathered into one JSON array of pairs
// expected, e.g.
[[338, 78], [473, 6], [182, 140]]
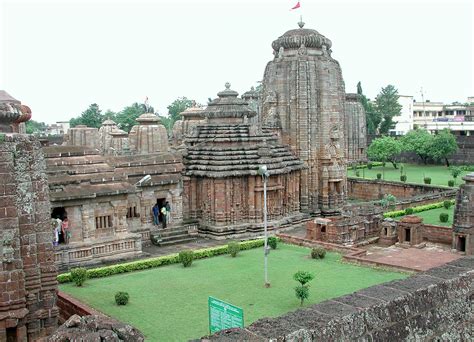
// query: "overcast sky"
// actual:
[[60, 56]]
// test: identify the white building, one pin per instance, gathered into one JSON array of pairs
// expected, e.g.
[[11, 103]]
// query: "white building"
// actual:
[[405, 119], [59, 128]]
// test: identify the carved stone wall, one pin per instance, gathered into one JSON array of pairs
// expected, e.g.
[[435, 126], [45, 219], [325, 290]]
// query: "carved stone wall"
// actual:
[[303, 96], [105, 138], [83, 136], [27, 272], [149, 136], [463, 224], [356, 131]]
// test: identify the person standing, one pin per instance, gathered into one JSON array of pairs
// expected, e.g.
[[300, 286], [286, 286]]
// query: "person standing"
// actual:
[[168, 212], [156, 213], [57, 231], [65, 230], [164, 215]]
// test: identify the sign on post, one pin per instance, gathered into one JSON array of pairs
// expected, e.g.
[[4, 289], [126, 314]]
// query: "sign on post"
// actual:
[[223, 315]]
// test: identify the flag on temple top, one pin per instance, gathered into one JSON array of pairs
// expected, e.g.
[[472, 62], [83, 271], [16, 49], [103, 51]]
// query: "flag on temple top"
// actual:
[[296, 6]]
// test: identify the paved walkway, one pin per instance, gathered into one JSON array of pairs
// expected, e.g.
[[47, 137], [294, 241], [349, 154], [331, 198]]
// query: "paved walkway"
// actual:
[[415, 258]]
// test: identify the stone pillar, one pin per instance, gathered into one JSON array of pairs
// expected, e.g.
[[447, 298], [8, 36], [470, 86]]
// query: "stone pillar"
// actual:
[[463, 224]]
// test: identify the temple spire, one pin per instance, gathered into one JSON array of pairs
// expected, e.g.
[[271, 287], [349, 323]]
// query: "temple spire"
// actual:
[[301, 23]]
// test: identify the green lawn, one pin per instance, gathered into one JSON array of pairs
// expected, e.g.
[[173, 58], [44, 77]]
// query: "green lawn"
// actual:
[[170, 303], [432, 216], [440, 175]]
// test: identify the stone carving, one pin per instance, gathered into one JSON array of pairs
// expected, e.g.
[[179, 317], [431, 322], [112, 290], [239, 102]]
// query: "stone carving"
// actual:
[[7, 247], [302, 51]]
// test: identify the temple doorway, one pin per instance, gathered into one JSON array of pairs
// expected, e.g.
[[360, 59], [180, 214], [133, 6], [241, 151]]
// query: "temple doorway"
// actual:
[[161, 204], [461, 243], [61, 214], [407, 234]]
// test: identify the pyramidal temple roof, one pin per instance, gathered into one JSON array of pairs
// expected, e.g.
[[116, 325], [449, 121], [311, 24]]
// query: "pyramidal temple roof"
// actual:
[[228, 105], [294, 39]]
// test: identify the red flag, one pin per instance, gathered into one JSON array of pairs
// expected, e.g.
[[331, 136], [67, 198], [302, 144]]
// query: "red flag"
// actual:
[[296, 6]]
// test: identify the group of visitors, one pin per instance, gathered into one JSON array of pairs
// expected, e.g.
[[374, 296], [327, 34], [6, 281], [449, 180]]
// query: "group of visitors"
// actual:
[[161, 214], [61, 231]]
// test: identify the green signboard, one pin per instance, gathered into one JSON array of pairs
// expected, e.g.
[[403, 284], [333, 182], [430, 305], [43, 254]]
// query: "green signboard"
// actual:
[[223, 315]]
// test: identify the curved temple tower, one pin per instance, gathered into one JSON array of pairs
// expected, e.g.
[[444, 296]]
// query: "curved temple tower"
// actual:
[[303, 99]]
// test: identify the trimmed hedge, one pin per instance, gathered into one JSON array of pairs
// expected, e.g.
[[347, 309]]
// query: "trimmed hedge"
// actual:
[[418, 209], [364, 166], [139, 265]]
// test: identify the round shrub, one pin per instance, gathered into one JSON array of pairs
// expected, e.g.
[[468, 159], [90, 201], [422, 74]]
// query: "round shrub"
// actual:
[[379, 176], [369, 165], [233, 248], [318, 253], [409, 211], [121, 298], [79, 275], [427, 180], [451, 182], [444, 217], [357, 173], [403, 178], [272, 242], [447, 204], [186, 258]]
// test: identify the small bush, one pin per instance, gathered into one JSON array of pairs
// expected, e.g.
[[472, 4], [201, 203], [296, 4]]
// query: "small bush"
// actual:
[[427, 180], [444, 217], [302, 293], [447, 204], [318, 253], [403, 178], [451, 182], [272, 242], [384, 163], [379, 176], [79, 275], [121, 298], [369, 165], [357, 173], [186, 258], [409, 211], [233, 248]]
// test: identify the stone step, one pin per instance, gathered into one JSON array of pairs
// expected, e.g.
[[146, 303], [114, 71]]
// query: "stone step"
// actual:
[[173, 232], [178, 241]]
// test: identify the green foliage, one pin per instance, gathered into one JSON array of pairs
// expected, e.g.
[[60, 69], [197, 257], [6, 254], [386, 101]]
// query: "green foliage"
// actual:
[[78, 275], [444, 217], [455, 171], [357, 173], [302, 293], [139, 265], [468, 168], [447, 204], [386, 103], [379, 176], [303, 277], [419, 141], [417, 209], [35, 127], [121, 298], [127, 118], [91, 117], [318, 253], [369, 165], [233, 248], [451, 183], [444, 145], [427, 180], [409, 211], [385, 149], [272, 242], [177, 107], [186, 258], [403, 178], [373, 117], [388, 201]]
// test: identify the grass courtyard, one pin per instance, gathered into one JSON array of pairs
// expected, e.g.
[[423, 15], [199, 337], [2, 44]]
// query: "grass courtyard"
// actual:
[[432, 216], [169, 303], [439, 174]]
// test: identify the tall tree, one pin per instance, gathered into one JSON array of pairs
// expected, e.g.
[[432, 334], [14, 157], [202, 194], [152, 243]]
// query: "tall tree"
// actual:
[[109, 115], [419, 141], [127, 118], [33, 126], [91, 117], [373, 117], [385, 149], [444, 146], [386, 103], [177, 107]]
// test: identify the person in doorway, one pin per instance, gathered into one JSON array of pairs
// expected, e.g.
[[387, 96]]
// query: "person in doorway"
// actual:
[[156, 214], [164, 214], [168, 212], [57, 231], [65, 230]]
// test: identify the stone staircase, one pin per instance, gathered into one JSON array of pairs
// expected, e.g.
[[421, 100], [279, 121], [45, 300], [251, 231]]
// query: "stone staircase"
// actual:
[[174, 235]]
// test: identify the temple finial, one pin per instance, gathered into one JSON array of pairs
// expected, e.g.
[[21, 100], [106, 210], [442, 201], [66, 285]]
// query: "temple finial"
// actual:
[[301, 23], [227, 85]]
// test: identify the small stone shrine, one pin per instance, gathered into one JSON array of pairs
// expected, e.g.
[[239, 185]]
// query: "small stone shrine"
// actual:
[[463, 224]]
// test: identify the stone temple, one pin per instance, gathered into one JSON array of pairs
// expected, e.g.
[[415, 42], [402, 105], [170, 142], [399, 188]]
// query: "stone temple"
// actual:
[[303, 100]]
